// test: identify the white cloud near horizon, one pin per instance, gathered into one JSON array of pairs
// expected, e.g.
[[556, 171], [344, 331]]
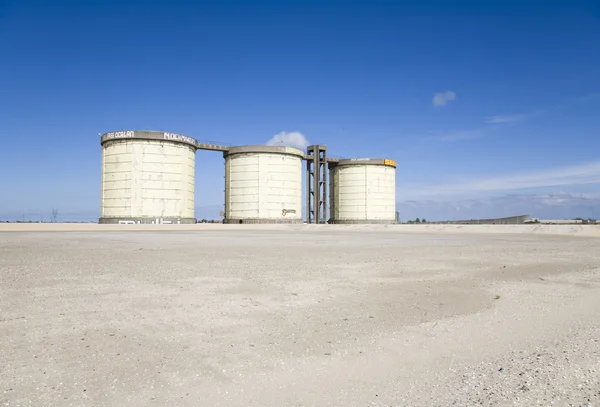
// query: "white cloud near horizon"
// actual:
[[442, 98], [556, 205], [581, 174], [291, 139]]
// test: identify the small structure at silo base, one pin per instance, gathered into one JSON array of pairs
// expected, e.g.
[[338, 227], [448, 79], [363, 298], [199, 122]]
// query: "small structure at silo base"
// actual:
[[362, 191], [263, 184], [147, 177]]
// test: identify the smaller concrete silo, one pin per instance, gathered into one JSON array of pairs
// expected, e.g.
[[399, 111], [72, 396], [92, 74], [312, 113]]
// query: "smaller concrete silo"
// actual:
[[263, 184], [362, 191]]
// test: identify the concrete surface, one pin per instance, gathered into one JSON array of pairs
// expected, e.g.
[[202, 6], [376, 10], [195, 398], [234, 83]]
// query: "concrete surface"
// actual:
[[224, 315]]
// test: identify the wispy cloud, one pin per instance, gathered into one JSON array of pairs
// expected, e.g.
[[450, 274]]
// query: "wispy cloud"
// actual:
[[513, 118], [588, 173], [291, 139], [506, 119], [496, 122], [591, 97], [442, 98]]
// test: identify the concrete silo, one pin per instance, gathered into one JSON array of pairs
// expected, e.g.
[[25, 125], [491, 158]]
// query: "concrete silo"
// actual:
[[363, 191], [263, 184], [147, 177]]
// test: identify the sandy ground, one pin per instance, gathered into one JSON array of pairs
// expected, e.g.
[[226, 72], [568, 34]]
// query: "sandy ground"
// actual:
[[223, 315], [566, 230]]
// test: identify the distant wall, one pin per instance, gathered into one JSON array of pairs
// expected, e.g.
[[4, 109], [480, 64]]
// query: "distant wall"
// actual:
[[510, 220]]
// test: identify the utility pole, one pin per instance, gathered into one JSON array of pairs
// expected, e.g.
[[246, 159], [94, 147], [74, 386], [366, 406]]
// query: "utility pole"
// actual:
[[54, 214]]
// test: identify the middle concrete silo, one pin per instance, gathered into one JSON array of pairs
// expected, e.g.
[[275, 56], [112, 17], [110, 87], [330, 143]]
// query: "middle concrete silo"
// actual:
[[362, 190], [263, 184]]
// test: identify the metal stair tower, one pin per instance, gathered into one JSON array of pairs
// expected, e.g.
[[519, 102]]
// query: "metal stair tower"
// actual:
[[316, 184]]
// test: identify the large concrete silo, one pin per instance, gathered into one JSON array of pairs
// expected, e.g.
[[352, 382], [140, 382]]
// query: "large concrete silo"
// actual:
[[147, 177]]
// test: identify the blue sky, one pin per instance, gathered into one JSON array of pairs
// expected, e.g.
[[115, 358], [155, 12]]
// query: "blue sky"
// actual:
[[479, 104]]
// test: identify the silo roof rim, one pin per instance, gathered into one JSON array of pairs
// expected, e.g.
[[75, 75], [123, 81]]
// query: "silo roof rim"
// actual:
[[258, 148], [366, 161], [148, 135]]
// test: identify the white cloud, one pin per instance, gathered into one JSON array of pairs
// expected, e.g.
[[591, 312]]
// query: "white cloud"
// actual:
[[555, 177], [291, 139], [442, 98]]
